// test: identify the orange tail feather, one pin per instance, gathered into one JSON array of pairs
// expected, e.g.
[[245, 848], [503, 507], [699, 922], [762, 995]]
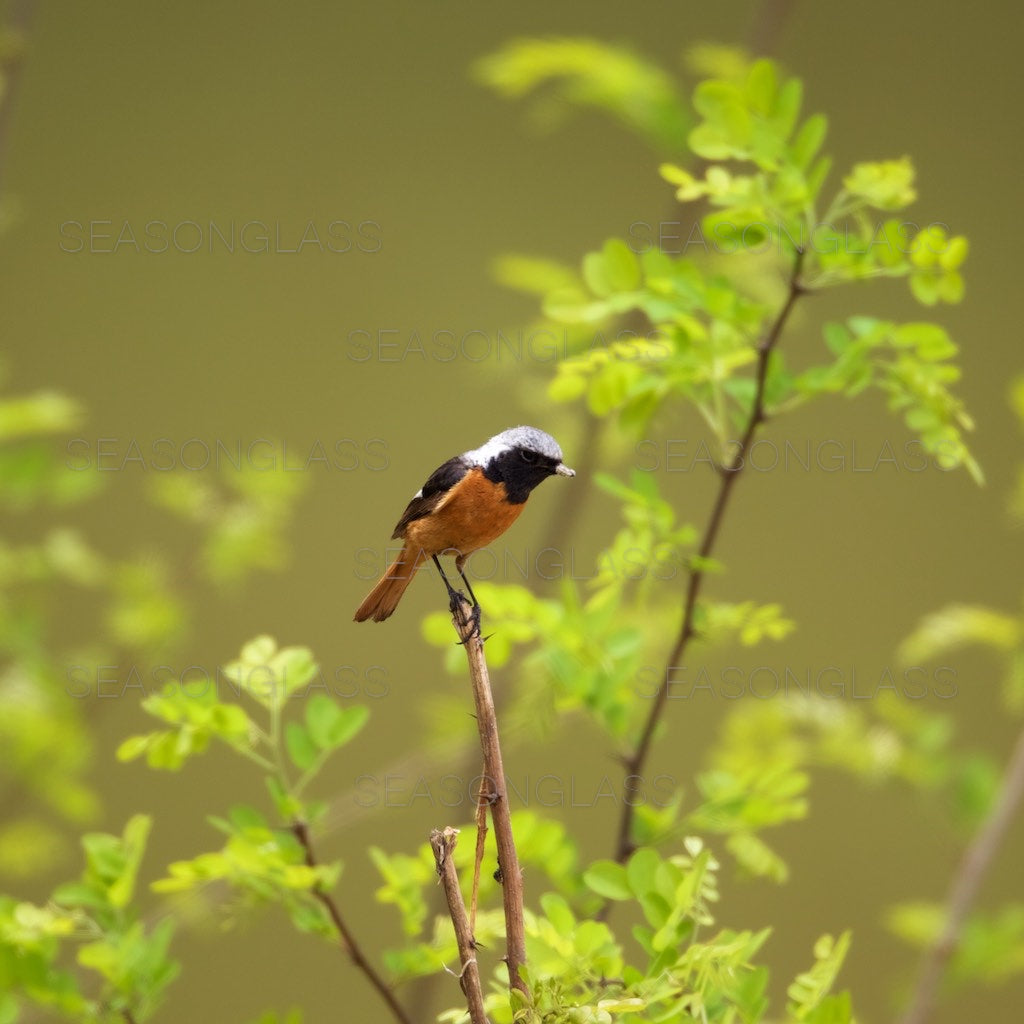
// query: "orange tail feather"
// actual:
[[382, 601]]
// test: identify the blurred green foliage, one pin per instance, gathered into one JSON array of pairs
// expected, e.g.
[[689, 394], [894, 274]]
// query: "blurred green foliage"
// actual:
[[136, 610], [991, 946], [92, 923], [581, 72], [259, 862]]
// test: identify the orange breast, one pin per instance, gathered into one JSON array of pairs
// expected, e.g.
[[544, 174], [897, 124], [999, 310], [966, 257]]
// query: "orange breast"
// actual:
[[473, 513]]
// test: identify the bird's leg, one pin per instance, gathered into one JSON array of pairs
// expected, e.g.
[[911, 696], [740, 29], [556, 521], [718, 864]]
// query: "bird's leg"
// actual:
[[472, 596], [453, 595]]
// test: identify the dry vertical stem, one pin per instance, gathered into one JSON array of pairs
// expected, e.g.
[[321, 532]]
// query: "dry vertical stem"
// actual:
[[494, 772], [975, 863], [443, 844], [483, 798]]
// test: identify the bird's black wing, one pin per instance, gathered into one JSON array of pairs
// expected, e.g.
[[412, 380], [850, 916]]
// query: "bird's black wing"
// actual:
[[441, 481]]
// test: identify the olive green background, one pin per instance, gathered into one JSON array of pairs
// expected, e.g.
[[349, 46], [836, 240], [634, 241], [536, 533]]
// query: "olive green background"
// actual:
[[366, 113]]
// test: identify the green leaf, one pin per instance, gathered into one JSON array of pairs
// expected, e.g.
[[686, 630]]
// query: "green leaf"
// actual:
[[294, 668], [102, 957], [816, 175], [837, 337], [612, 270], [787, 106], [533, 274], [992, 946], [836, 1009], [567, 385], [954, 254], [258, 651], [762, 86], [289, 808], [608, 879], [133, 844], [300, 746], [756, 857], [330, 726], [621, 265], [45, 412], [931, 341], [808, 141], [958, 625], [133, 747], [405, 881], [886, 185], [558, 914], [809, 989], [641, 871], [104, 856], [583, 72], [918, 924], [726, 129], [271, 675]]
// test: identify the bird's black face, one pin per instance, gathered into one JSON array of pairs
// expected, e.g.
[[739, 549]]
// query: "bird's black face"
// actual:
[[520, 470]]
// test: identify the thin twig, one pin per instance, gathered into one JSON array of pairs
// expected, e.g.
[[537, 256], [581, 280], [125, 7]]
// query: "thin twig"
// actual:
[[482, 799], [501, 818], [635, 762], [443, 844], [348, 940], [976, 860], [769, 21], [18, 22]]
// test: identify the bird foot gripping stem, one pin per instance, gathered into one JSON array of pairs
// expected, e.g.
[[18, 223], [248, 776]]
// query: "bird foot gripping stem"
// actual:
[[466, 616]]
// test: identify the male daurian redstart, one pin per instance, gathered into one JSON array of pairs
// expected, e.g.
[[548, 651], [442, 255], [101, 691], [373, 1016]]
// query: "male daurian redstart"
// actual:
[[468, 502]]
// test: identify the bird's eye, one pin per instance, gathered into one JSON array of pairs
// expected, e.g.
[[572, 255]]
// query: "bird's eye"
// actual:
[[528, 456]]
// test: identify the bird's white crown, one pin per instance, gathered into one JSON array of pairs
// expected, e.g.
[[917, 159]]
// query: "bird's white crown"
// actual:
[[531, 438]]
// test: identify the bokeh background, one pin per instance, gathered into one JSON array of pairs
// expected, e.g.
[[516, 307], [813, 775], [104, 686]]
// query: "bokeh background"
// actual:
[[367, 114]]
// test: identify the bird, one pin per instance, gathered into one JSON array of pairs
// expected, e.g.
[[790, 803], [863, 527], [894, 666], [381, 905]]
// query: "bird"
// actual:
[[466, 503]]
